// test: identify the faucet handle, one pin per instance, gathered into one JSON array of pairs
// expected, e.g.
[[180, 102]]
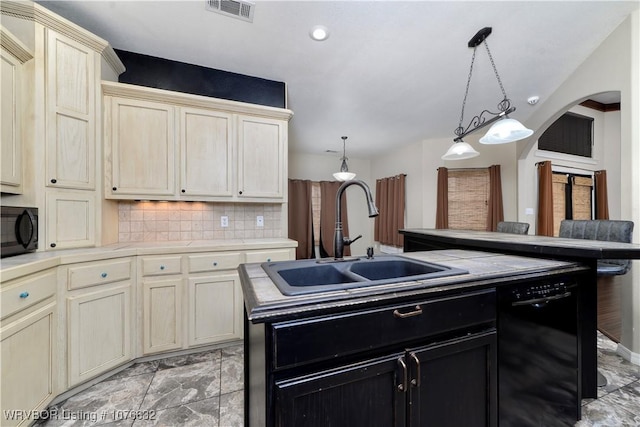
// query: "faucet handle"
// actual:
[[348, 241]]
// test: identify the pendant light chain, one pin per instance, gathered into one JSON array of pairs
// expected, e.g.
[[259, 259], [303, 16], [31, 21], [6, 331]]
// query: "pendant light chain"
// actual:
[[504, 104], [460, 129]]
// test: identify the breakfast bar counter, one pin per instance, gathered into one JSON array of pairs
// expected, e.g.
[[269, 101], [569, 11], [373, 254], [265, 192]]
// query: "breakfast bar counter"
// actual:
[[584, 251]]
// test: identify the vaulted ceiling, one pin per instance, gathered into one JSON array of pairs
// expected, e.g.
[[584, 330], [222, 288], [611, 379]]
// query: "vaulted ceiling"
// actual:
[[391, 73]]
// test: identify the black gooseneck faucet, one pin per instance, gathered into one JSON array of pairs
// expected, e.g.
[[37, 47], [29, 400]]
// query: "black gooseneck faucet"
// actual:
[[339, 240]]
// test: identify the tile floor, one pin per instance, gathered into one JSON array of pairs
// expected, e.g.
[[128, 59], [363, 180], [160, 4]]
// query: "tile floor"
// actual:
[[201, 389], [206, 389]]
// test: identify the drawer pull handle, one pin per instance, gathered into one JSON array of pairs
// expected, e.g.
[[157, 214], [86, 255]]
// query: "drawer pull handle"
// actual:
[[24, 295], [268, 259], [215, 264], [103, 275], [162, 267], [416, 312]]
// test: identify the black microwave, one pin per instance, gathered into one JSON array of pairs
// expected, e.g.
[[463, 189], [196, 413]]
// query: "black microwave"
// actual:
[[19, 230]]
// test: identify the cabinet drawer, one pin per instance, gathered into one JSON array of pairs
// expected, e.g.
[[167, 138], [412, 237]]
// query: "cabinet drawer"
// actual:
[[214, 261], [26, 292], [311, 340], [161, 266], [93, 274], [270, 255]]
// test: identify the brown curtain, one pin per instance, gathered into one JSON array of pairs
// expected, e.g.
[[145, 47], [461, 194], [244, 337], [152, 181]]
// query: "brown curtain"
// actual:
[[544, 225], [390, 199], [300, 217], [496, 212], [442, 203], [602, 198], [328, 191]]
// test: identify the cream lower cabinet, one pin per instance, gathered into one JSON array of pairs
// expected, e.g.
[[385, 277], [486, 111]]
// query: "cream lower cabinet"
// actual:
[[215, 308], [100, 311], [162, 286], [28, 347], [162, 314]]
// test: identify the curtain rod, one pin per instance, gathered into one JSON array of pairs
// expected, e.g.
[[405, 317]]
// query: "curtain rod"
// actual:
[[567, 167]]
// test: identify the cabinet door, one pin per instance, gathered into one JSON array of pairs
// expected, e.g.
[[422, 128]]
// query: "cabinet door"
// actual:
[[162, 315], [262, 158], [28, 364], [141, 145], [215, 309], [99, 331], [206, 145], [71, 113], [454, 383], [71, 219], [11, 144], [363, 394]]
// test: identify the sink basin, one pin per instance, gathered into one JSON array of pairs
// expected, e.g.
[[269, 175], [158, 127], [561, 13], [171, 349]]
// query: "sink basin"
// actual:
[[313, 276], [394, 268]]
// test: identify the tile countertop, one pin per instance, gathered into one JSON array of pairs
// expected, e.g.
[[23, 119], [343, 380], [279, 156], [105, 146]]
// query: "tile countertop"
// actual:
[[265, 303], [17, 266]]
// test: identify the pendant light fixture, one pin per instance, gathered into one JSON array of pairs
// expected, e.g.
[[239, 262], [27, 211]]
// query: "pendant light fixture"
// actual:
[[460, 150], [344, 174], [504, 129]]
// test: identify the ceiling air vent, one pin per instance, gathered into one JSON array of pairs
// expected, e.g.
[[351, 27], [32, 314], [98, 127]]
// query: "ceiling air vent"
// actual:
[[237, 9]]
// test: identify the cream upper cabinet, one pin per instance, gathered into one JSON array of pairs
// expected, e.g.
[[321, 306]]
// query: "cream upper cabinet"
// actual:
[[141, 149], [70, 220], [71, 113], [13, 54], [262, 158], [221, 150], [206, 148]]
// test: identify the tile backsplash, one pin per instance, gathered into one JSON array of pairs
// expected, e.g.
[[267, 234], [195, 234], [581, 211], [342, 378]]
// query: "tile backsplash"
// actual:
[[171, 221]]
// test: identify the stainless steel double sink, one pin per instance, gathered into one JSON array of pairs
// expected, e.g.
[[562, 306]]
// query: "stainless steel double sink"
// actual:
[[313, 276]]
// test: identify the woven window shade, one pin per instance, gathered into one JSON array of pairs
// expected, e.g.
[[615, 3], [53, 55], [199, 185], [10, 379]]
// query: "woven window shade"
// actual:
[[468, 199], [581, 197], [560, 181]]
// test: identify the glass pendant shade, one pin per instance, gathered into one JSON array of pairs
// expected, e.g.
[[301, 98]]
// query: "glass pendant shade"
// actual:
[[344, 174], [504, 131], [460, 151]]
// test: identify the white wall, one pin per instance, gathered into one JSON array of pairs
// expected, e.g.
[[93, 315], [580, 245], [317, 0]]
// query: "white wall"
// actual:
[[421, 161], [613, 66], [321, 168]]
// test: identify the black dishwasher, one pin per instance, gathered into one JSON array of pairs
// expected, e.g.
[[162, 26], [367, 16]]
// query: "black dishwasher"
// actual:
[[538, 373]]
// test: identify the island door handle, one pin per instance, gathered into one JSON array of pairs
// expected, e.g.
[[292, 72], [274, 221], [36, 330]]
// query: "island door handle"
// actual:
[[402, 387], [416, 312], [416, 381]]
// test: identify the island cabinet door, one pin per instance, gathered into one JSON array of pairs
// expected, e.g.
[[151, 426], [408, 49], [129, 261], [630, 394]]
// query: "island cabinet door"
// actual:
[[454, 383], [366, 394]]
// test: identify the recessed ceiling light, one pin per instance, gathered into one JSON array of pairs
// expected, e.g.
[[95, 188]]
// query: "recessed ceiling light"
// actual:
[[319, 33], [533, 100]]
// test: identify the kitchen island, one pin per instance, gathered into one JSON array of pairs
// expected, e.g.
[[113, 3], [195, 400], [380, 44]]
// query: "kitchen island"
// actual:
[[421, 352], [583, 251]]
